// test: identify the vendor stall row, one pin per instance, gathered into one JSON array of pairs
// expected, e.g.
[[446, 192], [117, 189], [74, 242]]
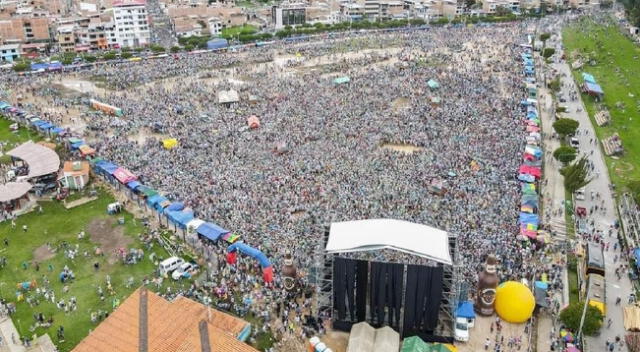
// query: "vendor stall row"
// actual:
[[175, 211], [530, 170]]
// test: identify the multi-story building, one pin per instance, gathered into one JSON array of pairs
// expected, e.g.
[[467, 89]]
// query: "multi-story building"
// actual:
[[288, 15], [24, 30], [131, 23], [66, 38], [489, 6], [215, 18], [9, 52]]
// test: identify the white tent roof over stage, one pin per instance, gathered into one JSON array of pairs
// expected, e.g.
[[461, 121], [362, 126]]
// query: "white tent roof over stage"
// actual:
[[375, 234]]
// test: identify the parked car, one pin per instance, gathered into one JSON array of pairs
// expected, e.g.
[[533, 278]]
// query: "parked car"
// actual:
[[580, 194], [186, 270], [169, 265], [575, 142], [462, 330]]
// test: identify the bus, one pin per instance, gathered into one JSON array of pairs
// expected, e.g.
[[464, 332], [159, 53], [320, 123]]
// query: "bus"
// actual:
[[597, 295], [594, 260]]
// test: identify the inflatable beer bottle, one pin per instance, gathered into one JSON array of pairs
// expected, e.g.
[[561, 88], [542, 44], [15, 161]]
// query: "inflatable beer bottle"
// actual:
[[487, 284]]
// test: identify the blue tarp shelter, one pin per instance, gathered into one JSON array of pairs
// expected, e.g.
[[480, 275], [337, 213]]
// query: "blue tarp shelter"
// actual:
[[588, 78], [133, 185], [46, 126], [465, 310], [526, 218], [211, 231], [175, 206], [161, 204], [151, 201], [106, 167], [180, 218], [433, 84], [526, 178], [77, 145], [57, 130]]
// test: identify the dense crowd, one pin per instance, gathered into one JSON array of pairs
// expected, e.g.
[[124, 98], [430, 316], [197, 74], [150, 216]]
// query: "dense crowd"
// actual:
[[320, 154]]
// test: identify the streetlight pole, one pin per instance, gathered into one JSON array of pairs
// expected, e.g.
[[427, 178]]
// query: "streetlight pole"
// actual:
[[584, 313]]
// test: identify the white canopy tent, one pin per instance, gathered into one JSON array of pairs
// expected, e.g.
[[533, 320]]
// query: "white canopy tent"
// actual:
[[375, 234], [40, 159], [387, 340], [13, 190], [228, 96]]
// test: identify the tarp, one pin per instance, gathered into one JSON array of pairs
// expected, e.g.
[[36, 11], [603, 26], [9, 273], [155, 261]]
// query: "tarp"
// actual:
[[106, 167], [433, 84], [414, 344], [86, 150], [530, 170], [540, 295], [361, 338], [180, 218], [375, 234], [341, 80], [250, 251], [194, 224], [57, 130], [155, 199], [636, 254], [529, 219], [133, 184], [465, 310], [526, 178], [528, 188], [77, 145], [146, 191], [124, 176], [73, 140], [211, 231], [588, 78], [175, 206]]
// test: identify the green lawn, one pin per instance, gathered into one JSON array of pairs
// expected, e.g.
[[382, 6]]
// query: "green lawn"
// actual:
[[235, 31], [10, 138], [617, 70], [55, 225]]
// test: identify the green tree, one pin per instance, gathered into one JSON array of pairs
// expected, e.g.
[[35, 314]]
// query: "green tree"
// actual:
[[544, 37], [565, 154], [565, 127], [21, 66], [175, 49], [554, 85], [125, 49], [89, 58], [127, 55], [158, 49], [138, 49], [572, 315], [109, 56], [548, 52], [188, 47], [502, 11], [576, 175]]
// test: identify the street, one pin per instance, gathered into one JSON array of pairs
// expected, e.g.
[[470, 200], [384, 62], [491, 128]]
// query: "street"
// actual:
[[603, 218]]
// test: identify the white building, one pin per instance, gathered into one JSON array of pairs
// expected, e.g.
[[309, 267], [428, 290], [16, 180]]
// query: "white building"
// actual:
[[131, 23]]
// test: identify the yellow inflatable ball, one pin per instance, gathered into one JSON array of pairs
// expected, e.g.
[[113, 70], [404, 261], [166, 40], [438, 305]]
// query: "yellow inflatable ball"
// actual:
[[514, 302]]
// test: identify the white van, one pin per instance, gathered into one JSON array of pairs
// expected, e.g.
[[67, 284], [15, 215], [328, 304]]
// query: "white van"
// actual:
[[169, 265], [461, 333], [580, 194]]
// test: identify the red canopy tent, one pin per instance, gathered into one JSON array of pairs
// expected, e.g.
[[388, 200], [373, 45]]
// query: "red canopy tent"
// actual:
[[530, 170], [124, 176]]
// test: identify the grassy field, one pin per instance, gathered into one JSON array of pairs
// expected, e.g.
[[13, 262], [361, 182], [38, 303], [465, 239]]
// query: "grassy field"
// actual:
[[39, 254], [234, 31], [614, 60]]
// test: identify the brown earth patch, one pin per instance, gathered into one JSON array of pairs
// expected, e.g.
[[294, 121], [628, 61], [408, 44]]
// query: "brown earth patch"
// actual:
[[43, 253], [110, 237]]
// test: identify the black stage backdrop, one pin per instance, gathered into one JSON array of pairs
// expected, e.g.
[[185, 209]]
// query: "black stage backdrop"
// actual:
[[350, 279], [386, 294], [421, 312]]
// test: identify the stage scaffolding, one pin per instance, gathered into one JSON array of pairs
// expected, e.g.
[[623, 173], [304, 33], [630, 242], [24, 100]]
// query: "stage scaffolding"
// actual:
[[451, 284]]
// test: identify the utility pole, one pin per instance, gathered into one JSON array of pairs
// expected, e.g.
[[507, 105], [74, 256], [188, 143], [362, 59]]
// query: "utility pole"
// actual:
[[584, 313]]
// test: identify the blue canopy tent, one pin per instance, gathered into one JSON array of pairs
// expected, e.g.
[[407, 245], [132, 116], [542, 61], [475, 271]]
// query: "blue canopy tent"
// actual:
[[106, 167], [77, 145], [180, 218], [46, 126], [57, 130], [3, 105], [161, 204], [588, 78], [532, 115], [465, 310], [211, 231], [526, 178], [133, 185], [526, 218], [175, 206], [37, 122], [151, 201]]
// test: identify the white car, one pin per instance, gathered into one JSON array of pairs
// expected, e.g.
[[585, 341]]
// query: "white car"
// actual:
[[462, 330], [580, 194], [185, 270], [575, 142]]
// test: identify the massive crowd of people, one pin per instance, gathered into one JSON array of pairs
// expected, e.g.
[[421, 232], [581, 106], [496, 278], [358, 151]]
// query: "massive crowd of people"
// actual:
[[320, 154]]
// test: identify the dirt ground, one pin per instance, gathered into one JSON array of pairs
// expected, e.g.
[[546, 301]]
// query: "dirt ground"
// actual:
[[336, 340], [43, 253], [109, 236]]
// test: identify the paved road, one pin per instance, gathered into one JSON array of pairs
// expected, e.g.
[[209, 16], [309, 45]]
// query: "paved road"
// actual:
[[602, 220]]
